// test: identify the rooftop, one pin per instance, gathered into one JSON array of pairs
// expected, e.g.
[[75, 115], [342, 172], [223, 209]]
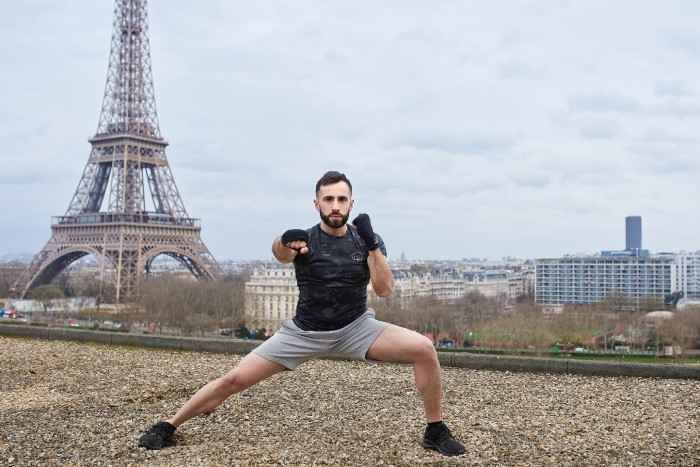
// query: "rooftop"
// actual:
[[69, 403]]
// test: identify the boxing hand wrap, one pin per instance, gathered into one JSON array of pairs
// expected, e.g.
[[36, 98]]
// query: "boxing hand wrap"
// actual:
[[293, 235], [365, 231]]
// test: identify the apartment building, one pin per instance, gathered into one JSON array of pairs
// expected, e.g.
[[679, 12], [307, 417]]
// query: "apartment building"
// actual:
[[271, 294], [450, 285], [688, 275], [587, 280], [632, 272]]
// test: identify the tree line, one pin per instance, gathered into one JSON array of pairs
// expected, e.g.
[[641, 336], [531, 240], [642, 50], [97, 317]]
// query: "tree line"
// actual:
[[486, 323], [182, 305], [189, 307]]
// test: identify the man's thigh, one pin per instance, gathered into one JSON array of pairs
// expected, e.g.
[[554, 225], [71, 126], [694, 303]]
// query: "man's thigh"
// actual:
[[252, 369], [291, 346], [399, 344]]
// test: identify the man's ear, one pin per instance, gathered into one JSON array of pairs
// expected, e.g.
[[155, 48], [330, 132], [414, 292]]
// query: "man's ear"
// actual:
[[316, 205]]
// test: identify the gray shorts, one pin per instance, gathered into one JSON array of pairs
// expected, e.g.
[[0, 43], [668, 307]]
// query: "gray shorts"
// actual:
[[291, 346]]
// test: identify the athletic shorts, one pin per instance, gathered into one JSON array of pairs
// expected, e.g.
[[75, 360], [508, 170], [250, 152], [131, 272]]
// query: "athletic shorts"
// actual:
[[291, 346]]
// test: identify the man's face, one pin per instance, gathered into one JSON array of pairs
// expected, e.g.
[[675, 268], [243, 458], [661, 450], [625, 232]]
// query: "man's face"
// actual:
[[334, 202]]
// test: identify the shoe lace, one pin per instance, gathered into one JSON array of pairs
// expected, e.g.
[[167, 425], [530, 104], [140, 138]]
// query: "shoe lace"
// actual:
[[442, 433], [158, 429]]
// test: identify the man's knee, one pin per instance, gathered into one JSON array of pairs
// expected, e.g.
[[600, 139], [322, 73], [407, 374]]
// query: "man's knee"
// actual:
[[251, 370], [232, 383], [424, 349]]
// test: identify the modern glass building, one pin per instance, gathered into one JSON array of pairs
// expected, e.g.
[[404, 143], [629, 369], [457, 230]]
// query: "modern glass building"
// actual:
[[633, 233]]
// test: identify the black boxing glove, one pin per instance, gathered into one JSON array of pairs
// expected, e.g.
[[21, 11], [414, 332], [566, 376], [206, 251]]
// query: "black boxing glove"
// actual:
[[295, 234], [364, 230]]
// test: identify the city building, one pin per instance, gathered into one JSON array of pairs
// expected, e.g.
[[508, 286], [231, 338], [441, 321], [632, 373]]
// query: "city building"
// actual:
[[633, 273], [688, 275], [271, 293], [633, 233], [588, 280], [452, 284]]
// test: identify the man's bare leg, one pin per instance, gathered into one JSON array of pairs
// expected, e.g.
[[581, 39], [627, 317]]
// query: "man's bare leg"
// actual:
[[249, 371], [399, 344]]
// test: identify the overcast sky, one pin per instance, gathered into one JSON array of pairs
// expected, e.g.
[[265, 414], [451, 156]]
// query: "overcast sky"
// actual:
[[468, 128]]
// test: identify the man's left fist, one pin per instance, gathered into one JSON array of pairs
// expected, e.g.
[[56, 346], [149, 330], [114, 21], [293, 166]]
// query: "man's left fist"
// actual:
[[364, 230]]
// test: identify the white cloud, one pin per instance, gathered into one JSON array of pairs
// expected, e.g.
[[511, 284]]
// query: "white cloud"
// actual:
[[470, 129]]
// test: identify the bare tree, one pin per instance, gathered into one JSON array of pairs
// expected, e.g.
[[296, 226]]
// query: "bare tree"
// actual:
[[225, 302], [433, 316], [46, 295], [394, 310], [193, 307], [475, 308], [617, 302], [9, 273], [161, 296], [648, 304], [683, 329], [529, 327]]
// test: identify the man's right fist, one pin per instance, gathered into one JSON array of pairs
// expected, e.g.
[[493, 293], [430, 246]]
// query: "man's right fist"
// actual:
[[365, 231], [293, 235]]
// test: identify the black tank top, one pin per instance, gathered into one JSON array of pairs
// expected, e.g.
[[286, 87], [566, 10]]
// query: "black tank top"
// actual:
[[332, 279]]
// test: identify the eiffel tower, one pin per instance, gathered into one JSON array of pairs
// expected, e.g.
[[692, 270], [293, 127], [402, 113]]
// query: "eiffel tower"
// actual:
[[126, 209]]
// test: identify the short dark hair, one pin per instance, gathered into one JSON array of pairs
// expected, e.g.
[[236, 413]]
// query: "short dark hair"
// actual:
[[330, 178]]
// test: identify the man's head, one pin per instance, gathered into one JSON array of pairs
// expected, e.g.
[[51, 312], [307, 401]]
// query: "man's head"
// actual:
[[334, 199], [331, 177]]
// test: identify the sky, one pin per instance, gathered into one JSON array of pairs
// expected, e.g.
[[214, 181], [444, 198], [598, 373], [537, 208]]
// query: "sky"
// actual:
[[469, 129]]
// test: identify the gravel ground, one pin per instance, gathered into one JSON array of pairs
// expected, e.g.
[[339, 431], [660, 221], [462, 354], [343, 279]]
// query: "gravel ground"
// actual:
[[64, 403]]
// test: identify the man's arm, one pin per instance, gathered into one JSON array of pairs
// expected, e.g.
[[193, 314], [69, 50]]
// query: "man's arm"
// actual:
[[286, 246], [380, 273], [282, 253]]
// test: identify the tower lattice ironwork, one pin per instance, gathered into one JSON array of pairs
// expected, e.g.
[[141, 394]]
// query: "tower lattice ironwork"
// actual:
[[127, 209]]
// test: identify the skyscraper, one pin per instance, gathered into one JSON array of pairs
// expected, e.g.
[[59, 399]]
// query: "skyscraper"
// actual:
[[633, 233]]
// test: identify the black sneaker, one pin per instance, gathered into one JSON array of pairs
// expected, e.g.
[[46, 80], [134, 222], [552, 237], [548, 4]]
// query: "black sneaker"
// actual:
[[439, 438], [157, 436]]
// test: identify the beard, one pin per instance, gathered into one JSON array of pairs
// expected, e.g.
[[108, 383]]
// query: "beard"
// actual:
[[335, 224]]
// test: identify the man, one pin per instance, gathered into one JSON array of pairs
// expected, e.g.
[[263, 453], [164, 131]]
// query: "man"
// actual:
[[334, 262]]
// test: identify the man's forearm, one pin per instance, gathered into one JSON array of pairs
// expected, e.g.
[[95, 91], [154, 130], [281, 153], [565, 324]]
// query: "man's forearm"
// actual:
[[281, 252], [380, 273]]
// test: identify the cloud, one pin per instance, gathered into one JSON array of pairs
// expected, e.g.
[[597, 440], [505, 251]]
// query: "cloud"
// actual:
[[452, 143], [602, 102], [469, 128], [687, 41], [599, 128], [515, 69], [681, 110], [673, 89], [667, 152], [531, 179]]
